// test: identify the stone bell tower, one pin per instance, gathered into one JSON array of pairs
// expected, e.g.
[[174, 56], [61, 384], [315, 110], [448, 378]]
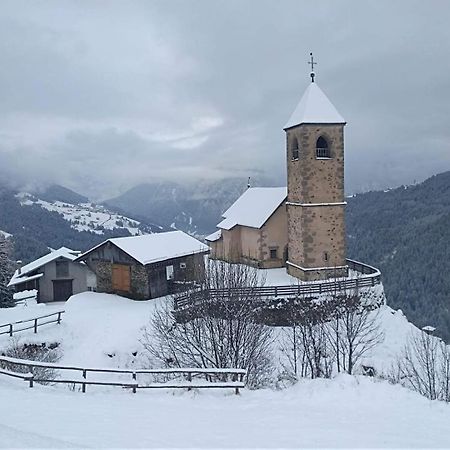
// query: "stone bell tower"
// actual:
[[315, 201]]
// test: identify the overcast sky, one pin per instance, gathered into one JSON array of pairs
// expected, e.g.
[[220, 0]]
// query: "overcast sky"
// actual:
[[101, 96]]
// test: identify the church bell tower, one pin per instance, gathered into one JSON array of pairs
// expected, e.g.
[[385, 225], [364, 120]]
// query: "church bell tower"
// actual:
[[315, 201]]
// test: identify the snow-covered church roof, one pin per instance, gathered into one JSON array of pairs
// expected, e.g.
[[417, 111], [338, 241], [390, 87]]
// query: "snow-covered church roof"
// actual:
[[314, 107], [253, 207], [151, 248]]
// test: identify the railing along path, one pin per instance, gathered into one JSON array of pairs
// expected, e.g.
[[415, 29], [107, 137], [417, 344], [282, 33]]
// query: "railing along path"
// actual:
[[9, 328], [214, 378], [370, 276]]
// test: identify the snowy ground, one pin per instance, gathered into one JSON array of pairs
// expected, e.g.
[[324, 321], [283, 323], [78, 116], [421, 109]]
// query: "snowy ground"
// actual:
[[101, 330], [344, 412]]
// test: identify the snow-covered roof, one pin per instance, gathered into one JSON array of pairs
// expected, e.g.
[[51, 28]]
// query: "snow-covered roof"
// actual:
[[22, 277], [253, 207], [314, 107], [214, 236], [151, 248]]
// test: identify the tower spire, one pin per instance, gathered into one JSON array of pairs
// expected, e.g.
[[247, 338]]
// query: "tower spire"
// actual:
[[312, 62]]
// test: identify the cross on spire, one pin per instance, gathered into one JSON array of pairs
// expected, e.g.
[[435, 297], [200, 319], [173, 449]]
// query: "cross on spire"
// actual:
[[312, 62]]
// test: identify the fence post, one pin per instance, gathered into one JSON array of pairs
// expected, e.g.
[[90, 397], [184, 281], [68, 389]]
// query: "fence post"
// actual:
[[35, 325], [10, 329], [59, 318], [83, 387], [134, 388], [31, 380], [373, 281], [189, 378], [133, 375], [84, 373]]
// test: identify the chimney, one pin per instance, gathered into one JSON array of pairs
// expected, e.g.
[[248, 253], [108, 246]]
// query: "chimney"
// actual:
[[19, 266]]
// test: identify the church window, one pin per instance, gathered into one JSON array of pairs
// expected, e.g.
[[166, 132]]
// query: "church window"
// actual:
[[273, 253], [294, 148], [322, 148]]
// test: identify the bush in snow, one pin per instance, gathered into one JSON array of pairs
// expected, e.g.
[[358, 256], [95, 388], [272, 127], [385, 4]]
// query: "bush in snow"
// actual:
[[33, 352]]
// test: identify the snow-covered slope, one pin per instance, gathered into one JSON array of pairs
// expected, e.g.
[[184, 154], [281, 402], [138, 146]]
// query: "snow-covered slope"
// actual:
[[104, 331], [354, 412], [85, 216], [115, 324]]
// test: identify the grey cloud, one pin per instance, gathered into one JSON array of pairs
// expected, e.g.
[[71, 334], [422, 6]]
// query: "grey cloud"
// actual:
[[101, 96]]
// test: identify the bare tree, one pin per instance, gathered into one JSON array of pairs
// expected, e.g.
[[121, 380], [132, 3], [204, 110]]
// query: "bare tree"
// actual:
[[332, 334], [424, 367], [354, 329], [222, 331]]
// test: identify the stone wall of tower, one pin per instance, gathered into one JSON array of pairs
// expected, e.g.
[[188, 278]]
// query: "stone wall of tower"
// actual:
[[316, 234]]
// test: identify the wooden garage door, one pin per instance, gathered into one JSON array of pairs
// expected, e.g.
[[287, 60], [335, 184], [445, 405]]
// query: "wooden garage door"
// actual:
[[121, 280], [62, 290]]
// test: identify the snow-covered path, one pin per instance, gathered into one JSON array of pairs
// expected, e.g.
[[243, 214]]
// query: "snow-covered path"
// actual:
[[344, 412]]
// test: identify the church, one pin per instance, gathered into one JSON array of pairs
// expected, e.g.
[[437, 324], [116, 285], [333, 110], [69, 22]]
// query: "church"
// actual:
[[301, 227]]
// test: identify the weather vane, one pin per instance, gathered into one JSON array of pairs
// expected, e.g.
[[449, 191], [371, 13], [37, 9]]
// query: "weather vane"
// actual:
[[312, 74]]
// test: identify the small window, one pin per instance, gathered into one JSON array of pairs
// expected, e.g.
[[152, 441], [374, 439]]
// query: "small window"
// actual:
[[169, 272], [325, 256], [273, 253], [294, 149], [183, 265], [62, 269], [322, 148]]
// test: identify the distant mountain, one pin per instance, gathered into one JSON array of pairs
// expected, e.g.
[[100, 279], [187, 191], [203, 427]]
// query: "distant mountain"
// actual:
[[195, 209], [59, 193], [405, 232], [37, 225]]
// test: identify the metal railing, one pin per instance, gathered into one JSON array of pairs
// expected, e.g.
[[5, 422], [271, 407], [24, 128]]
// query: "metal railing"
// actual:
[[323, 152], [370, 276]]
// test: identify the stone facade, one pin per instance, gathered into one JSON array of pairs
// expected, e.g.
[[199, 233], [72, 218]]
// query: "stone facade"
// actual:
[[316, 202], [149, 281]]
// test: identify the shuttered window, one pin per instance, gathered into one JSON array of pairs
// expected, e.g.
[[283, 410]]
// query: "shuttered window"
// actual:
[[121, 280]]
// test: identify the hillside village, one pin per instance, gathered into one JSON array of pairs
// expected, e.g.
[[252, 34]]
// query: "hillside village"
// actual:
[[122, 330]]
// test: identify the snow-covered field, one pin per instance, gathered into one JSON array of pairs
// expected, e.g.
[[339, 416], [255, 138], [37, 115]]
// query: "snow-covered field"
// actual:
[[343, 412], [101, 330], [85, 216]]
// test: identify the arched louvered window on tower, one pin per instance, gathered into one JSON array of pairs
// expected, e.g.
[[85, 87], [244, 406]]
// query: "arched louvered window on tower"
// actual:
[[322, 148], [294, 149]]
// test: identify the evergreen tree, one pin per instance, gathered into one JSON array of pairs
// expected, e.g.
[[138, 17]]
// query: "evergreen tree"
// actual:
[[6, 272]]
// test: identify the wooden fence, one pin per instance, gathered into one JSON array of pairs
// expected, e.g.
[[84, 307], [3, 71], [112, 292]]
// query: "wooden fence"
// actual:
[[370, 276], [16, 327], [212, 378]]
